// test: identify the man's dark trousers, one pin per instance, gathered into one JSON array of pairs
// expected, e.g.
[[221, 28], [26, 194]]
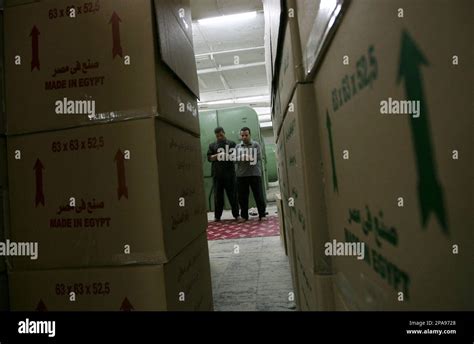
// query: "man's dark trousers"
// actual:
[[243, 185], [226, 184]]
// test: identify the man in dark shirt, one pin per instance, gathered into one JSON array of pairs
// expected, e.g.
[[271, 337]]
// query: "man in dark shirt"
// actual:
[[223, 173]]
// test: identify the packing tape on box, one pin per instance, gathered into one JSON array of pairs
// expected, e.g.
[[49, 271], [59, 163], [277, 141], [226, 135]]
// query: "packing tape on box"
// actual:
[[135, 259], [110, 117], [124, 115], [324, 27]]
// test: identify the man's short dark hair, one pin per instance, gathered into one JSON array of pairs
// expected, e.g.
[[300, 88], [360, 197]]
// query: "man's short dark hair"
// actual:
[[245, 129], [219, 130]]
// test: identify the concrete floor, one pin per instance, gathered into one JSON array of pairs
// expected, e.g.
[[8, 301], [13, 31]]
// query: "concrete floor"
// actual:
[[256, 278]]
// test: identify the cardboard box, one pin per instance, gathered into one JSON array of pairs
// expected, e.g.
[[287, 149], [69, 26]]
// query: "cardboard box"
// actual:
[[277, 114], [305, 184], [282, 197], [306, 12], [2, 74], [315, 290], [317, 22], [181, 10], [4, 225], [273, 18], [184, 284], [176, 46], [281, 222], [4, 302], [339, 302], [292, 261], [289, 236], [11, 3], [117, 60], [136, 184], [290, 69], [3, 197], [3, 162], [268, 50], [394, 181], [281, 169]]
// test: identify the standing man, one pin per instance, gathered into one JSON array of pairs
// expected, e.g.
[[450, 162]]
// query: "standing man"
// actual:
[[223, 173], [249, 174]]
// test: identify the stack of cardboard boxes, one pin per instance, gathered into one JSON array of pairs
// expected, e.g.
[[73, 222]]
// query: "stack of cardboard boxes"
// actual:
[[3, 179], [285, 214], [299, 157], [375, 148], [104, 157], [3, 224]]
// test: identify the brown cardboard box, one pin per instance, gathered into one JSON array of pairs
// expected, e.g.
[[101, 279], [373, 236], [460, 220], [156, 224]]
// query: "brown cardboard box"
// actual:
[[268, 46], [184, 284], [11, 3], [181, 10], [282, 197], [277, 115], [401, 191], [124, 56], [316, 291], [317, 23], [292, 260], [136, 183], [303, 164], [3, 162], [339, 302], [281, 169], [3, 197], [290, 69], [4, 303], [2, 74], [281, 222], [176, 46], [306, 12], [4, 220], [273, 19], [289, 236]]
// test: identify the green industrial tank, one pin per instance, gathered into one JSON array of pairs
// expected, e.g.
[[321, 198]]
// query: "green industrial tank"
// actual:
[[207, 123], [270, 152], [232, 120]]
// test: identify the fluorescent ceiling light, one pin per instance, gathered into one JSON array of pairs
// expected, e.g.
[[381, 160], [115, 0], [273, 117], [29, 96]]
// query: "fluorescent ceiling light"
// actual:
[[266, 125], [243, 100], [263, 110], [227, 19]]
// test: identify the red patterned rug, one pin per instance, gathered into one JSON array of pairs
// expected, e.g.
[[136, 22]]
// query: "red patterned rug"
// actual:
[[231, 229]]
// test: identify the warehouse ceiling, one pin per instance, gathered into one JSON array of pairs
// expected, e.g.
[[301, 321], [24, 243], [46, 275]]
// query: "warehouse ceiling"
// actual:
[[230, 54], [212, 8]]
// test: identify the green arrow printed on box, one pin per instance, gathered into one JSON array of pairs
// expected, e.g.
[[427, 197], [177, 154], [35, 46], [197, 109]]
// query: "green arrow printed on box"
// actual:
[[430, 193]]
